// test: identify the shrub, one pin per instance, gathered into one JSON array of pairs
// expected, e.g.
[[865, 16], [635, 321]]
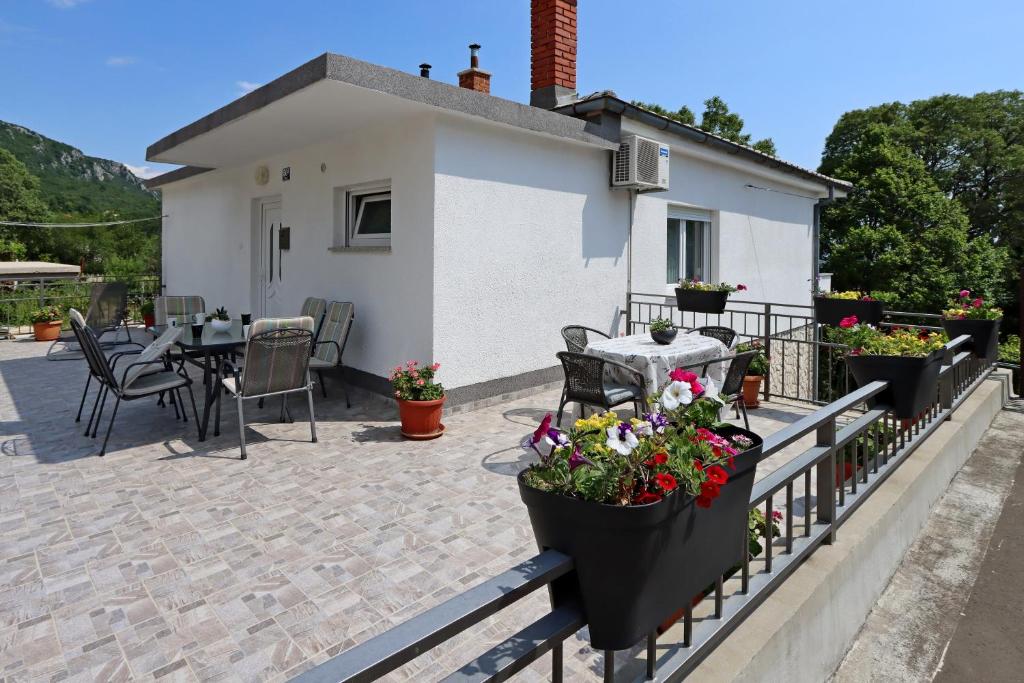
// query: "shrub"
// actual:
[[47, 314]]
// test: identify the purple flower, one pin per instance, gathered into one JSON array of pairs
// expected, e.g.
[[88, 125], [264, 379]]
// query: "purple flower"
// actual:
[[577, 458], [658, 421]]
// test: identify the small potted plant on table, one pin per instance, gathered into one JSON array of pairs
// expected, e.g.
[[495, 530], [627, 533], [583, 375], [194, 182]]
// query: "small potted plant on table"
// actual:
[[46, 323], [219, 320], [756, 373], [662, 331], [704, 297], [907, 358], [420, 400], [652, 510], [830, 308], [977, 318]]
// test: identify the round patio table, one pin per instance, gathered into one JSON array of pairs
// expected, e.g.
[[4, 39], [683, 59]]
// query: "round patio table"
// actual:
[[656, 361]]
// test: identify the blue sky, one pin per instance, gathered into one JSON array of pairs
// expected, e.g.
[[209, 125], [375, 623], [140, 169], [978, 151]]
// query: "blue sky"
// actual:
[[113, 76]]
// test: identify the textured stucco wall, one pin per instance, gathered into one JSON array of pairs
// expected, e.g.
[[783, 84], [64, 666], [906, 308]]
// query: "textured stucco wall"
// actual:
[[528, 238], [207, 236]]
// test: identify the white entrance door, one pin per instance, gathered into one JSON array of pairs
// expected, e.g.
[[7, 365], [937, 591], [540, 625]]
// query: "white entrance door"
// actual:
[[265, 254]]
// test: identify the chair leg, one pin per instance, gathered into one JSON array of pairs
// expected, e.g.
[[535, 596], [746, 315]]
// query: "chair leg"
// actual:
[[99, 415], [241, 424], [312, 417], [192, 398], [174, 404], [746, 420], [323, 387], [561, 409], [110, 426], [95, 404], [344, 390], [81, 404], [184, 415]]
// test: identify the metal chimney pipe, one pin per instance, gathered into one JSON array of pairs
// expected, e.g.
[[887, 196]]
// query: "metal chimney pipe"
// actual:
[[425, 70], [474, 57]]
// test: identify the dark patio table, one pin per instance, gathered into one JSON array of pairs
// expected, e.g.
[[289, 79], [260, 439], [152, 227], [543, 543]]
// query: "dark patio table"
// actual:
[[209, 352]]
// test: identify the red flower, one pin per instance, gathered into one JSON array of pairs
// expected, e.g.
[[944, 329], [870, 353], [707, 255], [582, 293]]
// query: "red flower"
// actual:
[[704, 501], [666, 481], [658, 459], [977, 303], [848, 322], [717, 475], [704, 434], [710, 488], [645, 498], [741, 288], [680, 375]]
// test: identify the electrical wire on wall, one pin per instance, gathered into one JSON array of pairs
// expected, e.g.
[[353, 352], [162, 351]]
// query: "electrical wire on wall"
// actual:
[[16, 224]]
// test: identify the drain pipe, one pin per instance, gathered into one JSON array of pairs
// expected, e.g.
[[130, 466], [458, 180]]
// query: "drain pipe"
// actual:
[[629, 264], [816, 237]]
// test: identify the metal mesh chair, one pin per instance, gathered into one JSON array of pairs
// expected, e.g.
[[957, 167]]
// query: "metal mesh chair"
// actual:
[[731, 390], [276, 364], [328, 349], [586, 384], [181, 309], [576, 337], [107, 312], [726, 335], [315, 309], [138, 379]]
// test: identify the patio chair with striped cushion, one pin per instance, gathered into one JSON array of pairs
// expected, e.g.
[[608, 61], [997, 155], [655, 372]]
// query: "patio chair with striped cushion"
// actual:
[[276, 364], [315, 309], [328, 349], [181, 309]]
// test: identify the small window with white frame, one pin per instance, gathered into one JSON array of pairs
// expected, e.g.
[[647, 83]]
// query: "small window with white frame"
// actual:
[[688, 242], [367, 213]]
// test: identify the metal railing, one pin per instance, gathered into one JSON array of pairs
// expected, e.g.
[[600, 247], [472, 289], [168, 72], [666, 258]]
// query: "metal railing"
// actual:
[[18, 298], [852, 456]]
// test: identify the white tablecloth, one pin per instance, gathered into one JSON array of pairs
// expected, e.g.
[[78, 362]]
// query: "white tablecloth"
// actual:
[[656, 361]]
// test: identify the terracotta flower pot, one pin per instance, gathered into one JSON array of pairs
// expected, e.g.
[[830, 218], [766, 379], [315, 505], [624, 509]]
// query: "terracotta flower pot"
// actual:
[[751, 390], [149, 320], [421, 419], [47, 331]]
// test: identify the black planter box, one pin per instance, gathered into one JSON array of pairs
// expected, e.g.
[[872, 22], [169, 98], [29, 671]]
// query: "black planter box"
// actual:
[[832, 311], [696, 301], [664, 336], [637, 565], [913, 381], [984, 336]]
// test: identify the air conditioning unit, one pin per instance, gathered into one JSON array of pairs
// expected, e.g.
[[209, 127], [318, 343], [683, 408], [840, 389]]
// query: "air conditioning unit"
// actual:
[[640, 164]]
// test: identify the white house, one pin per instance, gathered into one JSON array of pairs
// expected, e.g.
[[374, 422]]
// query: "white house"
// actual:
[[467, 228]]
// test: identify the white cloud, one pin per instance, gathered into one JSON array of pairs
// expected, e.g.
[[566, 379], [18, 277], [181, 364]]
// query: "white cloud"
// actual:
[[143, 171], [246, 87], [66, 4], [121, 61]]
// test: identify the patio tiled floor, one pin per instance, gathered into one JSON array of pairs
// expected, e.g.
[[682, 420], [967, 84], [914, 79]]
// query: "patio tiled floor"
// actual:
[[171, 559]]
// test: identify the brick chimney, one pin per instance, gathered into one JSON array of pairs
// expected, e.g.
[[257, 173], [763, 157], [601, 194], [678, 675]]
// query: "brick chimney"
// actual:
[[475, 78], [553, 52]]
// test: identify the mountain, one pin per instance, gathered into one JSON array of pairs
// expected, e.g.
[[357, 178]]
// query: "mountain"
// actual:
[[75, 184]]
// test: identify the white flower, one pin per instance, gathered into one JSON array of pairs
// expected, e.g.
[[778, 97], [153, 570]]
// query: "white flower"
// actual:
[[676, 394], [644, 428], [710, 390], [622, 439]]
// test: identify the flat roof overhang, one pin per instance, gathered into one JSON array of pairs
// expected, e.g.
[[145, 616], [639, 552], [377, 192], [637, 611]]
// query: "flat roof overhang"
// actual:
[[331, 96]]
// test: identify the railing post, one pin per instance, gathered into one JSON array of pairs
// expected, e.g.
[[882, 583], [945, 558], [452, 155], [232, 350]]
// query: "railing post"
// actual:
[[42, 292], [826, 475], [767, 389], [629, 312], [946, 390]]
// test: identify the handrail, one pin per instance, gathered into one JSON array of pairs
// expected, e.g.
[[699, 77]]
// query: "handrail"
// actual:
[[875, 443]]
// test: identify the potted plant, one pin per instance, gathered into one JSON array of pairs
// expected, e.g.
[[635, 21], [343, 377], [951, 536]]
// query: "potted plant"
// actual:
[[662, 330], [148, 315], [978, 319], [907, 358], [651, 510], [704, 297], [756, 373], [219, 320], [832, 307], [420, 400], [46, 323]]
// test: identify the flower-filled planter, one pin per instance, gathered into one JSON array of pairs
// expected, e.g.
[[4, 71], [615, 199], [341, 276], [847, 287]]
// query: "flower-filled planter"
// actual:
[[46, 323], [909, 360], [833, 307], [978, 319], [704, 297], [662, 331], [420, 400], [651, 510]]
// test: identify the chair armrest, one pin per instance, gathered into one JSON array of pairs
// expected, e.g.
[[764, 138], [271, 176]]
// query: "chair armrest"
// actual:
[[329, 341], [229, 369], [113, 358]]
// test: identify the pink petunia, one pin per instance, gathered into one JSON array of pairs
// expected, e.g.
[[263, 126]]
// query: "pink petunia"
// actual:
[[741, 288], [965, 293], [977, 303]]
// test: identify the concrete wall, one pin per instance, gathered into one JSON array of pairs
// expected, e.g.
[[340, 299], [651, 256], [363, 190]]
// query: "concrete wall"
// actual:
[[207, 236], [528, 238]]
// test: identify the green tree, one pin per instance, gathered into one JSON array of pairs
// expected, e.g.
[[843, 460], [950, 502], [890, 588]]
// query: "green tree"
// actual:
[[19, 201], [716, 119]]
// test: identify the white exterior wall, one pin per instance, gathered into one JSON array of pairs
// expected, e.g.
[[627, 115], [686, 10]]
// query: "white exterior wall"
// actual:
[[760, 239], [207, 235], [528, 238]]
